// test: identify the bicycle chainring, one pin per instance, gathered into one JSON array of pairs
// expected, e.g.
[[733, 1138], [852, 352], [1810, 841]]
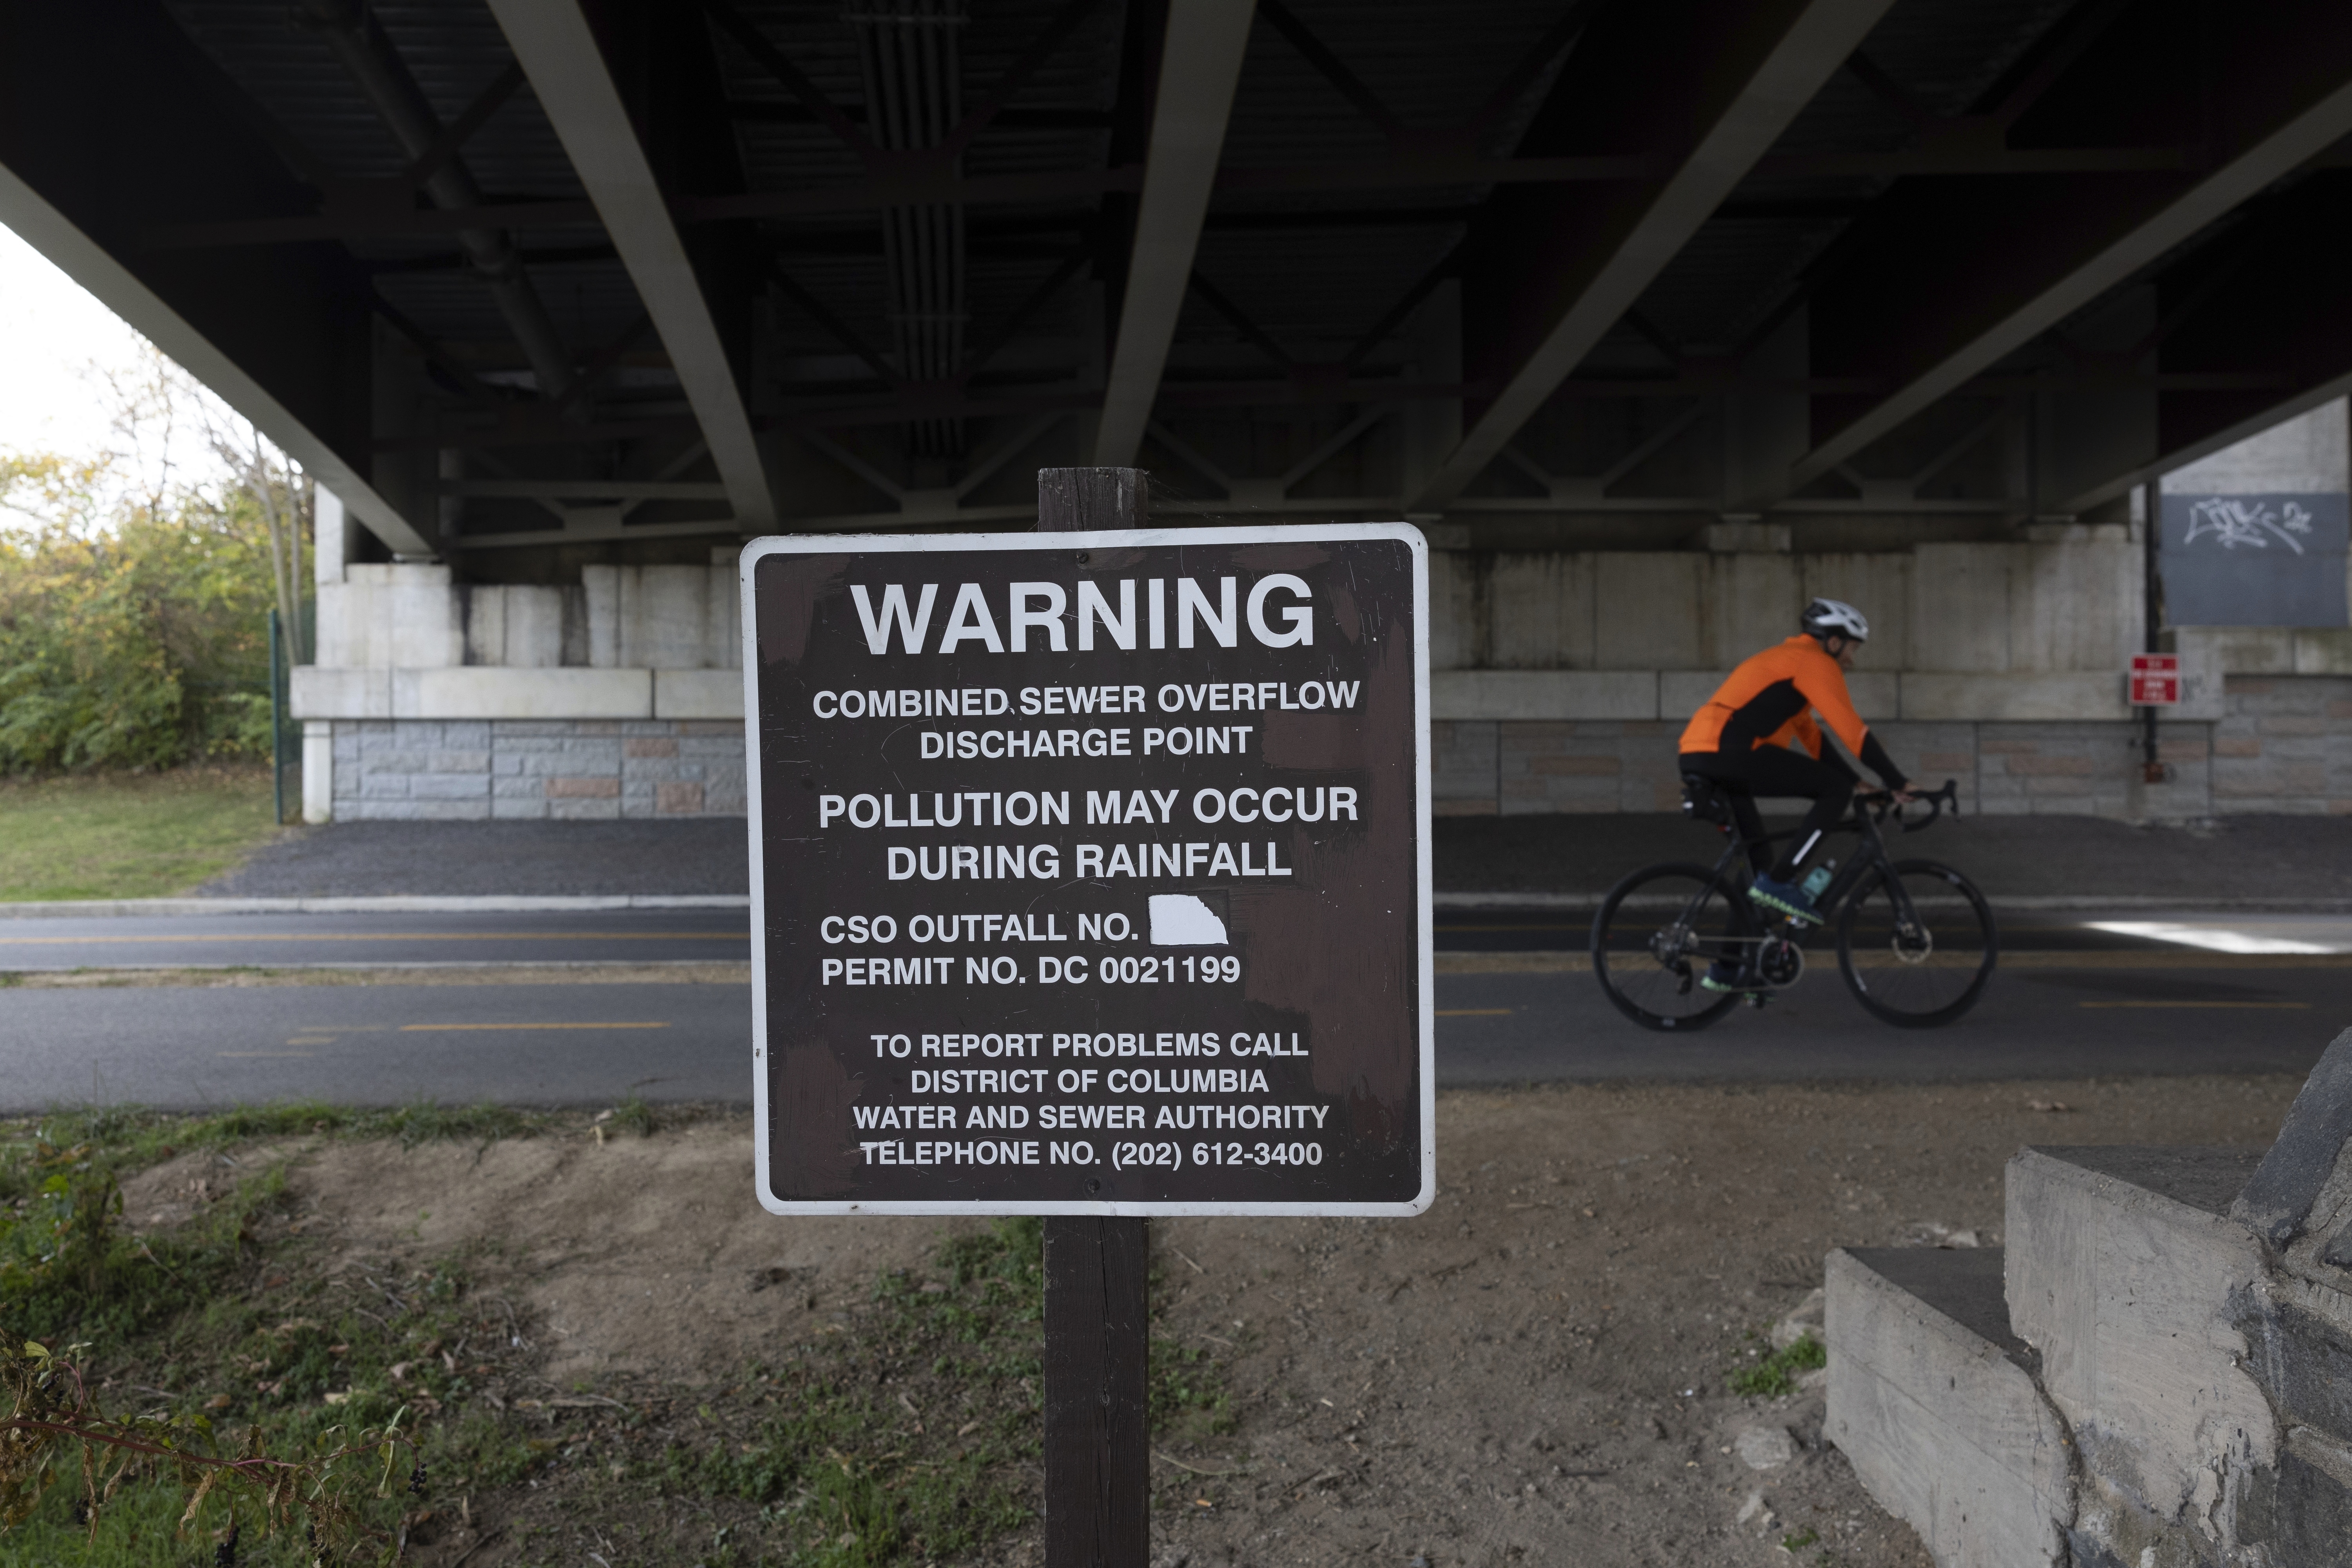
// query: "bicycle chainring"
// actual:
[[1779, 963]]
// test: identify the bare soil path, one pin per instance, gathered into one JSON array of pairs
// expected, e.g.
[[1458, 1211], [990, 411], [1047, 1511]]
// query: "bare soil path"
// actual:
[[1533, 1371]]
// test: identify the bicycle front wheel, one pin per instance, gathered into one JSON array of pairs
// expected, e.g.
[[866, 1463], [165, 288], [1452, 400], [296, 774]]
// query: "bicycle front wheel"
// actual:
[[1655, 935], [1917, 944]]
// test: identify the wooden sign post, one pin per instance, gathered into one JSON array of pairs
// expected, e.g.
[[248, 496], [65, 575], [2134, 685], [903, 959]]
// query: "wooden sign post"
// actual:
[[1091, 880], [1097, 1301]]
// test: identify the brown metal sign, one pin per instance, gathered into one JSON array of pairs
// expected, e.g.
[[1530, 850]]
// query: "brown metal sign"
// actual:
[[1092, 876]]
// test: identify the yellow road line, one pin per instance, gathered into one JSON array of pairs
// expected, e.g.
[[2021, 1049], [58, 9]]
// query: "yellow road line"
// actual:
[[2305, 1005], [433, 1029], [1475, 1012], [273, 1055], [388, 936]]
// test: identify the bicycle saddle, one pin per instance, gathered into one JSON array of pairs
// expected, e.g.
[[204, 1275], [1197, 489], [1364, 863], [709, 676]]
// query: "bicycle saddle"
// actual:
[[1705, 800]]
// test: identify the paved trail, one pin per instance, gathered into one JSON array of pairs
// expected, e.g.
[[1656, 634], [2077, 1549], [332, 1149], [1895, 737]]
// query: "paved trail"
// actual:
[[2073, 999]]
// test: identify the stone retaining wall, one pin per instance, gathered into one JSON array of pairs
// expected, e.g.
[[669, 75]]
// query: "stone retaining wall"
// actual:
[[2283, 744], [578, 769]]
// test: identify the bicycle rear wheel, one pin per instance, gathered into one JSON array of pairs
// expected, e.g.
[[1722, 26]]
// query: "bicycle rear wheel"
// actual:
[[1920, 959], [1656, 932]]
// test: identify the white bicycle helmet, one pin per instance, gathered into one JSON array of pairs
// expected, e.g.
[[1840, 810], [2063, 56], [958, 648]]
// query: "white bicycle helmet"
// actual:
[[1826, 617]]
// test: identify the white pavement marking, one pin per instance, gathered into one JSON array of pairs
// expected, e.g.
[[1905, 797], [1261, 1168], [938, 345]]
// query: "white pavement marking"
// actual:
[[2305, 935]]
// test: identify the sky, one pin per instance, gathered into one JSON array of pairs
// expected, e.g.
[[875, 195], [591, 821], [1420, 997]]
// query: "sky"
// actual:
[[56, 343], [50, 332]]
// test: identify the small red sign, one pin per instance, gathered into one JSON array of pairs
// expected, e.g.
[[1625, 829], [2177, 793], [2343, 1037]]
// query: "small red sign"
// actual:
[[2154, 679]]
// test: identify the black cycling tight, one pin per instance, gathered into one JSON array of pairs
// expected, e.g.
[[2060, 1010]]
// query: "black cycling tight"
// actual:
[[1773, 771]]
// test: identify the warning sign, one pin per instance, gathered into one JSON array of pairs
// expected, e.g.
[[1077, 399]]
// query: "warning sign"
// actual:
[[2154, 679], [1091, 871]]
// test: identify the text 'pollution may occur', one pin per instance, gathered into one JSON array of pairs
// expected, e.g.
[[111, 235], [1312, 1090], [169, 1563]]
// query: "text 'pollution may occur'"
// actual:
[[1091, 871]]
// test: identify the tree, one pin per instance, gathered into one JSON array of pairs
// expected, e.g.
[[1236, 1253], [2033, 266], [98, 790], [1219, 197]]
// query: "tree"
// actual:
[[133, 592]]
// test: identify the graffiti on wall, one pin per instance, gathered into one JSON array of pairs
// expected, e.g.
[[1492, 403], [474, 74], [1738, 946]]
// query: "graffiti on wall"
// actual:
[[2254, 560], [2254, 521]]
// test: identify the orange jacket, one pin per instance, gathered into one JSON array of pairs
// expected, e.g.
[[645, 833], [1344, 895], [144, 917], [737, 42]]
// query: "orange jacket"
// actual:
[[1773, 699]]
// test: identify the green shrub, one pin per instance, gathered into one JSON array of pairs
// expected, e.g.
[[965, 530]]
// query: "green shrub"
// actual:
[[138, 640]]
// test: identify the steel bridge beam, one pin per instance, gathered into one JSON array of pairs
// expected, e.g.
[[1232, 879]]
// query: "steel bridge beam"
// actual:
[[2252, 330], [1201, 65], [1945, 278], [1549, 271], [568, 73], [111, 120]]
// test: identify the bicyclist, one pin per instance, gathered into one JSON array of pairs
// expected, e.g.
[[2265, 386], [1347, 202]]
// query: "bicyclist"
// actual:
[[1741, 737]]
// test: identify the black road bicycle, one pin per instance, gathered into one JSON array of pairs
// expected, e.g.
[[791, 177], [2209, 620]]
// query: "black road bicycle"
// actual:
[[1915, 938]]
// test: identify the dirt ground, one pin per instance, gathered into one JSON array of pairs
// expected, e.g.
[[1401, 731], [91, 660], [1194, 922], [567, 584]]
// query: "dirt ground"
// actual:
[[1535, 1370]]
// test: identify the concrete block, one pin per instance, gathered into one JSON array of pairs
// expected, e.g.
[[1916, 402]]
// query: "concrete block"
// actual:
[[518, 809], [2323, 651], [1543, 694], [1747, 601], [1683, 691], [487, 693], [1927, 695], [2241, 650], [600, 588], [576, 788], [1542, 609], [1877, 694], [2202, 675], [2075, 606], [666, 613], [591, 810], [515, 626], [2278, 1195], [1931, 1397], [384, 617], [319, 691], [513, 787], [1457, 605], [679, 800], [698, 694], [1646, 611], [1959, 607], [2122, 1265]]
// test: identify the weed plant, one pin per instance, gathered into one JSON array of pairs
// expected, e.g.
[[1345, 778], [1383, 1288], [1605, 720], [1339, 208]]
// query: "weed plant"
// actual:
[[1776, 1374], [907, 1429]]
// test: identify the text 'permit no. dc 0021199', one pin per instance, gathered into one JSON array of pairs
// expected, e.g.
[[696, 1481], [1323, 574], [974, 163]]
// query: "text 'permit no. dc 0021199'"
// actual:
[[1091, 872]]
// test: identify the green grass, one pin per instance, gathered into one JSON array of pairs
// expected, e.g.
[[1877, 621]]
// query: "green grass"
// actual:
[[1776, 1374], [128, 836], [904, 1430]]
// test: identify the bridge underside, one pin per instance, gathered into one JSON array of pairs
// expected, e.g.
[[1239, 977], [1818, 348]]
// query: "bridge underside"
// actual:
[[560, 299]]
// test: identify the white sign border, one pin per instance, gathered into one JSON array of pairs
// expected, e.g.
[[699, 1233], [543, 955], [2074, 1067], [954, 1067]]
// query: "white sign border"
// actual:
[[1404, 533]]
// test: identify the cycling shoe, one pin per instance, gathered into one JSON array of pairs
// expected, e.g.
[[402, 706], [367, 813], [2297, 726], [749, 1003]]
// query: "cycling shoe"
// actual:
[[1722, 976], [1785, 898]]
